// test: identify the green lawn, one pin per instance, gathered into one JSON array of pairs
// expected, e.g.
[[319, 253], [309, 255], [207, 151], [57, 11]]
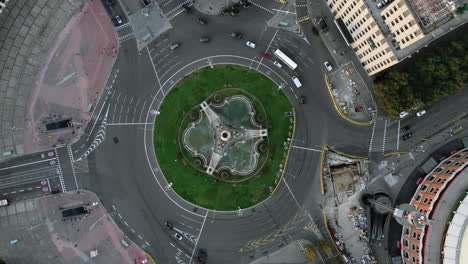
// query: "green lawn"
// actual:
[[198, 187]]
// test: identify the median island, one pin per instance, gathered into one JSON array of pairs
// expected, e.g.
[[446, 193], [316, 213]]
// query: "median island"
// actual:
[[221, 137]]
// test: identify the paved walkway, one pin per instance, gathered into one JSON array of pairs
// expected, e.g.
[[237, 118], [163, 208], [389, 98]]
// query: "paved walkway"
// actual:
[[27, 30], [48, 69], [42, 235], [436, 231]]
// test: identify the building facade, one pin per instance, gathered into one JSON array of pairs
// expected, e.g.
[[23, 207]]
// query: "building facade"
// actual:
[[375, 34], [425, 200]]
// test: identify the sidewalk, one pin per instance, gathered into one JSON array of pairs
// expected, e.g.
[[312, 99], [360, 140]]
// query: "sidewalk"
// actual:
[[42, 235], [347, 84], [71, 79], [350, 95]]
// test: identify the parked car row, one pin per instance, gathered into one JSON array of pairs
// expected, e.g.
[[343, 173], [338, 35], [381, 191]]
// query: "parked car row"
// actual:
[[383, 3], [235, 8]]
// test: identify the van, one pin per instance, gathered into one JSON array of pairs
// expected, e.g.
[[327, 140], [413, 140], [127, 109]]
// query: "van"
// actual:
[[174, 45], [296, 82], [204, 39], [4, 202]]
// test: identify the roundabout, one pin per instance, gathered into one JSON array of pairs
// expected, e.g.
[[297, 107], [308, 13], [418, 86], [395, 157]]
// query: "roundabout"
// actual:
[[130, 176], [230, 143]]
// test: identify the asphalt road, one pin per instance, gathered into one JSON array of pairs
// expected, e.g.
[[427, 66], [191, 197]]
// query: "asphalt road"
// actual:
[[116, 160]]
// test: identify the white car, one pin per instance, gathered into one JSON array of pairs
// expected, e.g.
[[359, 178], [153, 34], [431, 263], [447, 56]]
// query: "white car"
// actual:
[[421, 113], [251, 44], [328, 66], [277, 64], [178, 236], [403, 114]]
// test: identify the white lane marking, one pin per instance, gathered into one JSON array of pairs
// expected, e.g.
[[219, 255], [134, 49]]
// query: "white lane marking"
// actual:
[[198, 238], [125, 222], [283, 11], [131, 229], [97, 118], [191, 219], [113, 207], [316, 150], [266, 51], [59, 169], [398, 137], [147, 243], [128, 124], [155, 72], [372, 138], [294, 197], [261, 7], [384, 136], [26, 164], [140, 237]]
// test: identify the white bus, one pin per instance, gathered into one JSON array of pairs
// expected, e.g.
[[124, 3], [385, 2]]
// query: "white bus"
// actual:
[[291, 64]]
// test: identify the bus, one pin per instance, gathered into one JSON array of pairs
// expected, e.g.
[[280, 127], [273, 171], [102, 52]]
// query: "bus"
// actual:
[[291, 64]]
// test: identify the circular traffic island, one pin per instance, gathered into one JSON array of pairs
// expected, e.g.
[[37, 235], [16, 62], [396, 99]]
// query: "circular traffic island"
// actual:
[[221, 137]]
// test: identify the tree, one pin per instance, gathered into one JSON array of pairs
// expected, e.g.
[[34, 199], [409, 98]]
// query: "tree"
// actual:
[[442, 72], [310, 252]]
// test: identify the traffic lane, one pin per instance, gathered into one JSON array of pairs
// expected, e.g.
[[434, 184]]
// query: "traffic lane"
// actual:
[[28, 160], [138, 199], [114, 9], [249, 231]]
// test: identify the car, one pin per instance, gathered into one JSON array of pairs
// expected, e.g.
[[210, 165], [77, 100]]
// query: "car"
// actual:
[[178, 236], [247, 5], [202, 21], [4, 202], [202, 256], [328, 66], [110, 2], [315, 30], [302, 99], [403, 114], [147, 2], [234, 12], [277, 64], [421, 113], [204, 39], [225, 11], [404, 129], [119, 19], [174, 45], [116, 140], [379, 5], [296, 81], [407, 136], [188, 9], [236, 35], [168, 225], [265, 55], [250, 44]]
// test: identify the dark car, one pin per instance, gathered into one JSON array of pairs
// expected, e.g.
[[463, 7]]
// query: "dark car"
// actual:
[[225, 12], [168, 225], [234, 12], [188, 9], [110, 2], [202, 255], [202, 20], [236, 35], [302, 99], [247, 4], [404, 129], [204, 39], [116, 140], [407, 136], [315, 30]]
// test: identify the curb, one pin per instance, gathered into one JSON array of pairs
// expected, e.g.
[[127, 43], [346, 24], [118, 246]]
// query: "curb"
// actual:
[[394, 153], [321, 168], [150, 257], [287, 155], [345, 154], [332, 239], [327, 82]]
